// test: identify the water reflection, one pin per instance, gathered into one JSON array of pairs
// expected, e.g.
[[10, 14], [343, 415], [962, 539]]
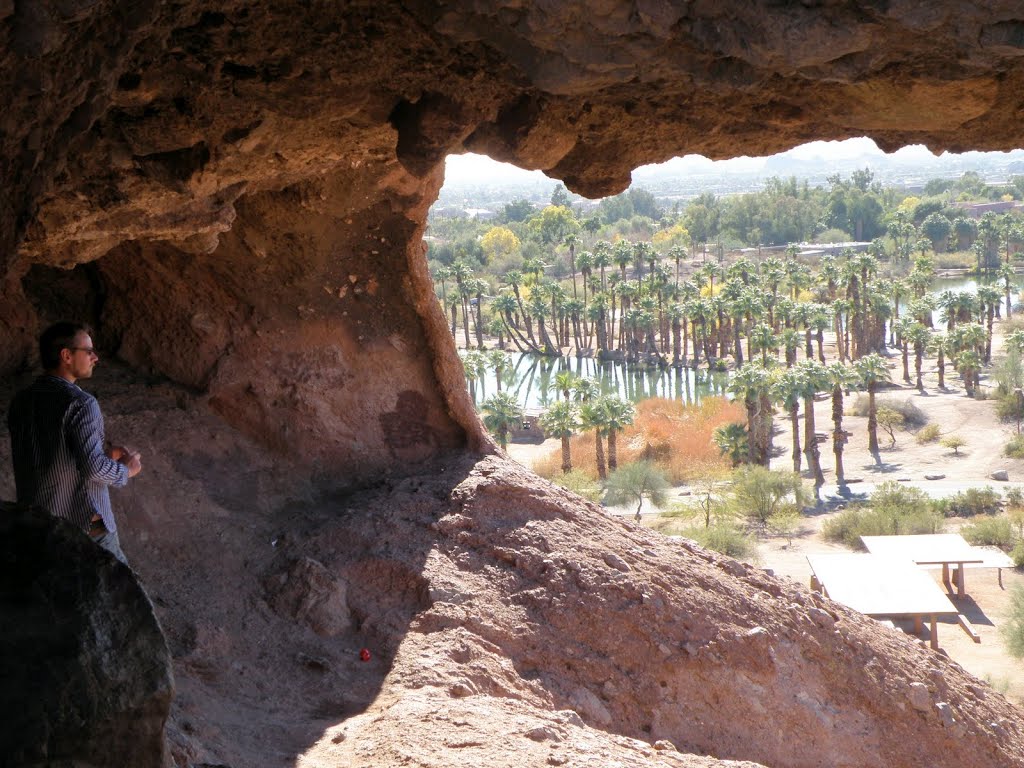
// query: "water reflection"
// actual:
[[531, 378]]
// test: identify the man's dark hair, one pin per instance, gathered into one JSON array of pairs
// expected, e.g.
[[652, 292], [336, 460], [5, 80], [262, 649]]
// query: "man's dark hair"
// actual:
[[55, 338]]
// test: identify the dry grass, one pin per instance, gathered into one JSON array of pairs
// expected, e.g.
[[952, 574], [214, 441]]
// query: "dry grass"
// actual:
[[676, 436]]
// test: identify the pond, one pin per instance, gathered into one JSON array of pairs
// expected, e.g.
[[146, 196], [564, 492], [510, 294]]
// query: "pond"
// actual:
[[532, 380]]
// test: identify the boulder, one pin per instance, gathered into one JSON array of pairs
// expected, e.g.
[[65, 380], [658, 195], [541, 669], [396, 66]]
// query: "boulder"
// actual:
[[85, 668]]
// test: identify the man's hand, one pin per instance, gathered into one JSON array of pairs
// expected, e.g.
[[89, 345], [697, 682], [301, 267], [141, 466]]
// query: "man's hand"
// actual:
[[116, 452], [134, 463]]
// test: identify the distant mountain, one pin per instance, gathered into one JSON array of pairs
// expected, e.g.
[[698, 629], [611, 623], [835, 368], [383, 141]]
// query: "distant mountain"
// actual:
[[475, 181]]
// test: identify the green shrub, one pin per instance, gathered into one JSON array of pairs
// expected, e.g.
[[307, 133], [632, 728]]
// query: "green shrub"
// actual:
[[989, 532], [912, 415], [929, 433], [1008, 407], [758, 492], [722, 536], [1013, 628], [1015, 448], [579, 482], [1015, 497], [1017, 555], [954, 442], [974, 501], [892, 510]]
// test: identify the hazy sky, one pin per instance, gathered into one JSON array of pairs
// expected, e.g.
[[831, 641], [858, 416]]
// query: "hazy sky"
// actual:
[[469, 168]]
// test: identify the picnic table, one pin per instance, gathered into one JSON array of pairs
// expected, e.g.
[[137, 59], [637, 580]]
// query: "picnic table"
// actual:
[[943, 549], [882, 587]]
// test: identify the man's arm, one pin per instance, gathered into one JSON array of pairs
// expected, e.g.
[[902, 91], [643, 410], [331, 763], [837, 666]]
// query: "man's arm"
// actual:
[[85, 433]]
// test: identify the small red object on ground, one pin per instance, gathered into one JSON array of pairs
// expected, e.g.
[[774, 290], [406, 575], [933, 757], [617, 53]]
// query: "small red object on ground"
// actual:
[[364, 654]]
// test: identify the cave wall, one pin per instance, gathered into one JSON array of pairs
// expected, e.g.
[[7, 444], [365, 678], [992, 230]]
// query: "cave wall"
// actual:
[[249, 184]]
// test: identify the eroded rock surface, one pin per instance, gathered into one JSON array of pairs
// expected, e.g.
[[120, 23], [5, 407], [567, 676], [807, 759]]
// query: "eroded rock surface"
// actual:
[[249, 183], [85, 668], [234, 194]]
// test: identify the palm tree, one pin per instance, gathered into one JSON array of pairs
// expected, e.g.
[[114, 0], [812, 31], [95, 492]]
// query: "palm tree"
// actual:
[[594, 416], [918, 336], [989, 297], [500, 362], [813, 379], [841, 377], [752, 383], [940, 344], [619, 414], [564, 382], [968, 362], [677, 253], [502, 413], [731, 440], [562, 420], [786, 386], [764, 340], [902, 331], [570, 242], [1006, 274], [872, 371]]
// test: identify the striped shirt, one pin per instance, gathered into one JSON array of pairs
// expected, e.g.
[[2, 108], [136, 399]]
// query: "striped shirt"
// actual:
[[57, 447]]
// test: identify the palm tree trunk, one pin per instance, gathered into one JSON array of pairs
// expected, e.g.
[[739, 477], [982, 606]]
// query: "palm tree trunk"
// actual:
[[566, 458], [794, 420], [838, 438], [872, 422], [811, 445], [613, 453], [602, 471]]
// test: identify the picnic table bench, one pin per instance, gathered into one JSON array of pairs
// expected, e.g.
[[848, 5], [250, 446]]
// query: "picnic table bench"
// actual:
[[882, 587]]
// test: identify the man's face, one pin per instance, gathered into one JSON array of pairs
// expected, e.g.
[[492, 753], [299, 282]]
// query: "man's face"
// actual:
[[83, 356]]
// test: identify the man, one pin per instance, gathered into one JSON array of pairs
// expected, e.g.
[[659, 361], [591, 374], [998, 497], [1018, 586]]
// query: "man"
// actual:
[[57, 440]]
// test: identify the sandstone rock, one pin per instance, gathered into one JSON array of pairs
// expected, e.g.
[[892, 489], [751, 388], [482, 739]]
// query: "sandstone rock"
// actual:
[[934, 477], [1001, 475], [945, 714], [616, 562], [312, 595], [920, 697], [85, 668]]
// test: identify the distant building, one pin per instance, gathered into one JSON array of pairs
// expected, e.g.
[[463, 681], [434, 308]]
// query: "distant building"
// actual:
[[977, 210]]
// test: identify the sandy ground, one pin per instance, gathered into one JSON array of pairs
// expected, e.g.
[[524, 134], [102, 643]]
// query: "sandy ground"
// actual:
[[987, 601]]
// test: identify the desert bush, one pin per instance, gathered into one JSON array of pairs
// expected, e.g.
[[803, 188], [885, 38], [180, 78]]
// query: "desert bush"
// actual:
[[974, 501], [1013, 628], [759, 493], [1015, 514], [892, 510], [1017, 554], [929, 433], [722, 536], [1015, 448], [578, 482], [954, 443], [632, 483], [989, 532], [1015, 497], [912, 415]]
